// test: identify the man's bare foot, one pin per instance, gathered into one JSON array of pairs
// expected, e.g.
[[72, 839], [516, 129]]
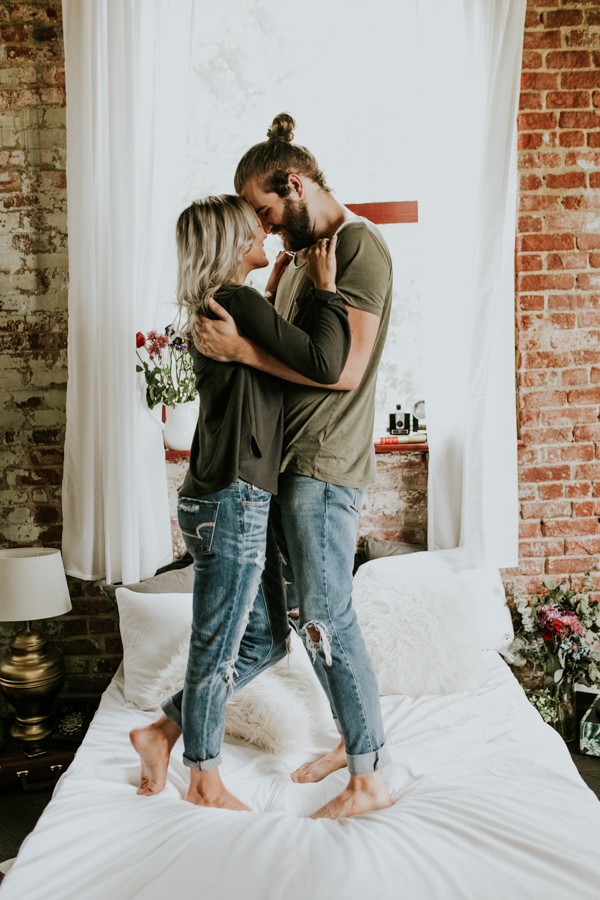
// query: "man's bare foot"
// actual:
[[319, 768], [154, 744], [363, 794], [207, 789]]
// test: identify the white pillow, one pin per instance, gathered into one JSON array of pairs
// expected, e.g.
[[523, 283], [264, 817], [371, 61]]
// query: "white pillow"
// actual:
[[417, 618], [152, 626], [484, 586]]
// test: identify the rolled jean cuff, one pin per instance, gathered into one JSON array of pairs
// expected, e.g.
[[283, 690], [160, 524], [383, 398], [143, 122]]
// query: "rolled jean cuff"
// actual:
[[203, 765], [367, 763], [171, 712]]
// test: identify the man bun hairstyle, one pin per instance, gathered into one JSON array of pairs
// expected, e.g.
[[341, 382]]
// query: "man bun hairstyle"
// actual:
[[282, 128], [272, 161]]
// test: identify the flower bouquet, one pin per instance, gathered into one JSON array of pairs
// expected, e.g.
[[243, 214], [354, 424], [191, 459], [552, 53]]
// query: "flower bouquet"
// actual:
[[556, 645], [167, 366]]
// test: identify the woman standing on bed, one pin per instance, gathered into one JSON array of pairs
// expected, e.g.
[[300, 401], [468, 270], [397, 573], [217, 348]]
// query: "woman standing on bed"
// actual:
[[223, 506]]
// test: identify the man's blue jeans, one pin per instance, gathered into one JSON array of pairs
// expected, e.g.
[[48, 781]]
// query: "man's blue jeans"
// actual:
[[227, 535], [319, 523]]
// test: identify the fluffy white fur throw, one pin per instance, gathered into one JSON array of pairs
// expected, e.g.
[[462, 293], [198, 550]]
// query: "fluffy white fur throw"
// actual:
[[276, 711]]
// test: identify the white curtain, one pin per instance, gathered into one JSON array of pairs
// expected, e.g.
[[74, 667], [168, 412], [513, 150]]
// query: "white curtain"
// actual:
[[127, 71], [469, 89]]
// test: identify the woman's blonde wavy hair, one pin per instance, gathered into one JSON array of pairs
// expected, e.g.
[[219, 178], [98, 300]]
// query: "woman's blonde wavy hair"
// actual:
[[213, 234]]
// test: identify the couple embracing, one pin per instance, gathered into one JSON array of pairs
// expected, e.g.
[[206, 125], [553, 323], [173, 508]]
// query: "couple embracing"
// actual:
[[279, 463]]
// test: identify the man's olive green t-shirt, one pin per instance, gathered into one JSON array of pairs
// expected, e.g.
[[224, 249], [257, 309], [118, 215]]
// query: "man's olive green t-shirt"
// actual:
[[328, 435]]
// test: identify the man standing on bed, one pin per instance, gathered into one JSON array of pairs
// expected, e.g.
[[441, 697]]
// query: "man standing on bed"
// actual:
[[328, 458]]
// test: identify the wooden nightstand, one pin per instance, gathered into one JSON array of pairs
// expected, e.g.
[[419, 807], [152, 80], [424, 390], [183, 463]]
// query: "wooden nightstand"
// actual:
[[31, 770]]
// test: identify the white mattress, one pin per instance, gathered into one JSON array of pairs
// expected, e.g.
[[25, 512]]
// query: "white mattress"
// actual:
[[488, 806]]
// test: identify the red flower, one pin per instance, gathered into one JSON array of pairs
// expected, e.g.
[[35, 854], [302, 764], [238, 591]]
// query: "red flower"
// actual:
[[140, 340]]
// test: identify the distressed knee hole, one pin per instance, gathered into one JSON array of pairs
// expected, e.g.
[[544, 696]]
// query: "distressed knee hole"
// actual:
[[229, 673], [316, 637]]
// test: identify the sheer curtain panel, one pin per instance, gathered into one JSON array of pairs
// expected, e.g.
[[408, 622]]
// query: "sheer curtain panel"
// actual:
[[127, 72], [469, 88]]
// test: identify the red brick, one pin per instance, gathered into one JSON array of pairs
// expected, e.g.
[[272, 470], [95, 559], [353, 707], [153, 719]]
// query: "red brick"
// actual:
[[545, 358], [580, 79], [545, 81], [569, 59], [530, 223], [545, 509], [530, 140], [567, 180], [593, 139], [533, 242], [542, 40], [541, 548], [572, 139], [577, 452], [531, 303], [529, 262], [584, 545], [567, 100], [566, 260], [587, 472], [533, 60], [539, 121], [529, 530], [588, 241], [531, 100], [566, 565], [586, 508], [588, 281], [575, 376], [594, 260], [595, 379], [587, 432], [583, 38], [567, 301], [530, 182], [546, 473], [584, 395], [571, 414], [539, 202], [550, 491], [578, 489], [587, 120], [546, 282], [546, 435]]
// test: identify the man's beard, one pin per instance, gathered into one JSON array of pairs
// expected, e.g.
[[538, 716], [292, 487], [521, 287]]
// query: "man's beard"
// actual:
[[296, 229]]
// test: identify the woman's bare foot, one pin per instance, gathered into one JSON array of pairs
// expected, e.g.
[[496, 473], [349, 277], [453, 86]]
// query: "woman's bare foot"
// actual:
[[154, 744], [207, 789], [363, 794], [319, 768]]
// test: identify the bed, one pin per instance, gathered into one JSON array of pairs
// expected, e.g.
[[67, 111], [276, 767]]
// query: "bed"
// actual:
[[488, 803]]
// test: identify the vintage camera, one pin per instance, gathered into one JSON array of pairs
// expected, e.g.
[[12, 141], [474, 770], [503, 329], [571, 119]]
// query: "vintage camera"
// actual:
[[400, 422]]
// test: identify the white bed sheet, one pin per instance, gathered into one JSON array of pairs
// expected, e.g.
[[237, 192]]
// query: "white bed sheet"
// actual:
[[489, 806]]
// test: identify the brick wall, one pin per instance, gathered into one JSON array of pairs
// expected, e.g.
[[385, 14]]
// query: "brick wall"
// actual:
[[33, 323], [558, 292], [558, 316]]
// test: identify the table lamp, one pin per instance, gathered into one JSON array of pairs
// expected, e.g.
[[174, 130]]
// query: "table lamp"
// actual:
[[32, 586]]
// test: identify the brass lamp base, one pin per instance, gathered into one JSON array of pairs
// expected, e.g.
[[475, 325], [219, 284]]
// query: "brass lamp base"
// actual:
[[31, 676]]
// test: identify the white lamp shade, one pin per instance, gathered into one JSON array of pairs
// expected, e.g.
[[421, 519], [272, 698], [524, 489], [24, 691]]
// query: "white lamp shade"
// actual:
[[33, 584]]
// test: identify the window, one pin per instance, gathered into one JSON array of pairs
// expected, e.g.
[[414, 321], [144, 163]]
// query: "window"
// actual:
[[350, 89]]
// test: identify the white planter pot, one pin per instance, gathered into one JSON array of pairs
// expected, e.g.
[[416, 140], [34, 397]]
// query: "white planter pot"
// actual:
[[180, 425]]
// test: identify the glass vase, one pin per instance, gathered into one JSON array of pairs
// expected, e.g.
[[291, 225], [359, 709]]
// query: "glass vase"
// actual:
[[565, 720]]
